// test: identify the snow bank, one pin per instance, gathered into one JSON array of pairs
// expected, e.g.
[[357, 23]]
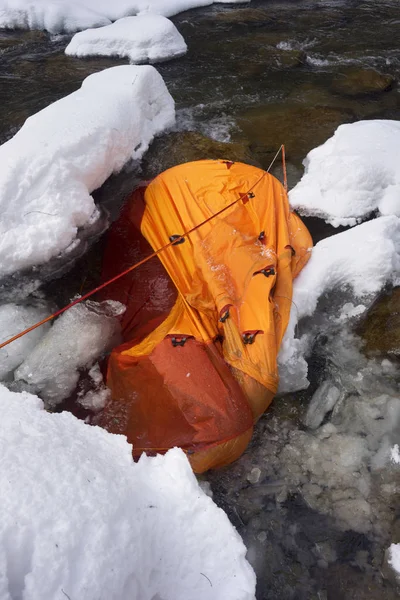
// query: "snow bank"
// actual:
[[76, 340], [79, 519], [147, 38], [15, 318], [359, 261], [64, 152], [61, 15], [355, 173]]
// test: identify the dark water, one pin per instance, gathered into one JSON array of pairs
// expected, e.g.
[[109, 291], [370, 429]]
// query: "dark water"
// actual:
[[260, 74]]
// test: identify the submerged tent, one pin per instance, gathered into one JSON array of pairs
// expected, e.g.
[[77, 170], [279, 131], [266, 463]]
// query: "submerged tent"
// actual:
[[205, 318]]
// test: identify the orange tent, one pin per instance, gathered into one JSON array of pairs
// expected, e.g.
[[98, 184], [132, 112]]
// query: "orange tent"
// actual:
[[199, 374]]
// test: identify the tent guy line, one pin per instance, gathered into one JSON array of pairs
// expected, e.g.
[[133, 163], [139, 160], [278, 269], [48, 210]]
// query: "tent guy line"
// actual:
[[176, 240]]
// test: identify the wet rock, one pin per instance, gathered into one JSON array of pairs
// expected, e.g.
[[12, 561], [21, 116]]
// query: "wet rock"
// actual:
[[7, 43], [180, 147], [380, 329], [268, 58], [243, 15], [300, 128], [359, 82], [343, 582]]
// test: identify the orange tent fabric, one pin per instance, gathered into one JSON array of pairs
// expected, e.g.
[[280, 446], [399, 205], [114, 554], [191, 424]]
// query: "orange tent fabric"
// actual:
[[207, 371]]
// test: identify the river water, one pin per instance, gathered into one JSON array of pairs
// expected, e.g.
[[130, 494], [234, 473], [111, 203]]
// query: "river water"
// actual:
[[316, 508]]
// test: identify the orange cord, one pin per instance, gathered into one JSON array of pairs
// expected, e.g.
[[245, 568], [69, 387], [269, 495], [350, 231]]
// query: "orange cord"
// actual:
[[135, 266], [285, 185]]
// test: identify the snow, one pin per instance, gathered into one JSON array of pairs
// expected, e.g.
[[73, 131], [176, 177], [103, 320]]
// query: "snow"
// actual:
[[357, 264], [64, 152], [395, 454], [15, 318], [394, 557], [76, 340], [81, 520], [353, 174], [147, 38], [63, 16]]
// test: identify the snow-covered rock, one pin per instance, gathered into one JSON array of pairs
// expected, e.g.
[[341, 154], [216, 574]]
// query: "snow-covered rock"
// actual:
[[356, 264], [147, 38], [15, 318], [76, 340], [80, 519], [355, 173], [64, 16], [64, 152]]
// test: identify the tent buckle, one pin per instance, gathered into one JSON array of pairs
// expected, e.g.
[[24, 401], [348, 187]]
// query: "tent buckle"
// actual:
[[178, 342], [267, 272], [224, 317], [248, 338], [176, 239]]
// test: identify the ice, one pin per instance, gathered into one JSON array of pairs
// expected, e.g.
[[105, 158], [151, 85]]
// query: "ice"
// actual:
[[394, 558], [321, 403], [395, 454], [353, 265], [350, 456], [63, 16], [80, 519], [15, 318], [76, 340], [94, 399], [353, 174], [146, 38], [64, 152]]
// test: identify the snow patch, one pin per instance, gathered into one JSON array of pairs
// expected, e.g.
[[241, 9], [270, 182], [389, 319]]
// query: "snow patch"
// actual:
[[147, 38], [64, 152], [63, 16], [80, 519], [353, 174]]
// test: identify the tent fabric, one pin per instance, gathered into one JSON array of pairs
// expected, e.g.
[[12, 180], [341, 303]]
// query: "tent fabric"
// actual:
[[208, 370]]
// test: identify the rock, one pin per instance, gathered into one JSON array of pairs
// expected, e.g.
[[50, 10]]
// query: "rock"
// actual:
[[180, 147], [300, 128], [8, 43], [269, 58], [359, 82], [380, 329], [243, 15]]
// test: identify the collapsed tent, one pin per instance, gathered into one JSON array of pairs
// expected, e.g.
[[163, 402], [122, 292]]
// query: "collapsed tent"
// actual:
[[205, 319]]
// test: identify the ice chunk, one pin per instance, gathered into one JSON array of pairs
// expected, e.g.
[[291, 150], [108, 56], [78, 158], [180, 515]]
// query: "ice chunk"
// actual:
[[95, 399], [393, 558], [322, 402], [355, 173], [146, 38], [395, 454], [254, 475], [76, 340], [80, 519], [15, 318], [64, 152]]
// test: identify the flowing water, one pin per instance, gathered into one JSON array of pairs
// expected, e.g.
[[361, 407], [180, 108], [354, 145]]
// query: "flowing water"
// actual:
[[316, 505]]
